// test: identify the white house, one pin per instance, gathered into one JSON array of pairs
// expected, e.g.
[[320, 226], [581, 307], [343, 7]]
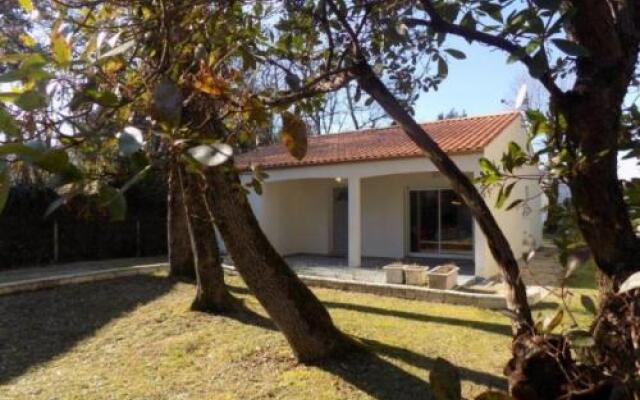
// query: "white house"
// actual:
[[372, 193]]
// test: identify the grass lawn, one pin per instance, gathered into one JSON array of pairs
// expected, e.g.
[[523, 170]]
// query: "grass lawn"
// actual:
[[134, 338]]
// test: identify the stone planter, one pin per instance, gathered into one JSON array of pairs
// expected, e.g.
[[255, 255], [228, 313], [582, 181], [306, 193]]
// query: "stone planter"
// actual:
[[416, 275], [394, 273], [443, 277]]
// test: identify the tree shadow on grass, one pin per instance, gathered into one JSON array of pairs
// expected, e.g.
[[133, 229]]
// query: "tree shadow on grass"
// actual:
[[37, 326], [493, 327], [426, 363], [378, 377], [383, 380], [502, 329]]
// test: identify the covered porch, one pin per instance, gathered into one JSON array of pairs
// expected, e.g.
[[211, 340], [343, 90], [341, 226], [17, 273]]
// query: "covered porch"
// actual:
[[353, 219]]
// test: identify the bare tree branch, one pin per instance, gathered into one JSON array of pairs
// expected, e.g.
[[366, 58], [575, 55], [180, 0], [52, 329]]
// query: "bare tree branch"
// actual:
[[325, 83]]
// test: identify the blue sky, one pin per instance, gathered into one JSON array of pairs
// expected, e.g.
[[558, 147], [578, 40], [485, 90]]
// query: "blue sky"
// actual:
[[476, 84]]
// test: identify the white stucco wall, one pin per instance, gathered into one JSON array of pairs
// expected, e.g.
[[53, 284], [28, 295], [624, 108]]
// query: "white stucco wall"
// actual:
[[295, 209], [385, 211], [522, 227], [296, 215]]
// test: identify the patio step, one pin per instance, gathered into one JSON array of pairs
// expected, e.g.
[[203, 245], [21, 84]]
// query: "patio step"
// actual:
[[491, 301]]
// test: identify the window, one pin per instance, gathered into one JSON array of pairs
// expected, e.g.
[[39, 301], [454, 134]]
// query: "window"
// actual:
[[439, 223]]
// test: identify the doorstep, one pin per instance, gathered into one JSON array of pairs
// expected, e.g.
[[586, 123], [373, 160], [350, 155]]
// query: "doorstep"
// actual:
[[491, 301]]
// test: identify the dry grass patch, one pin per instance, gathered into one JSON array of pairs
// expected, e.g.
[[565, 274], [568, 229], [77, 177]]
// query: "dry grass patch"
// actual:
[[135, 338]]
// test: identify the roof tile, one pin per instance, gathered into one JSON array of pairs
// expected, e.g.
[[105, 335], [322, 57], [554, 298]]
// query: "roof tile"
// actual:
[[460, 135]]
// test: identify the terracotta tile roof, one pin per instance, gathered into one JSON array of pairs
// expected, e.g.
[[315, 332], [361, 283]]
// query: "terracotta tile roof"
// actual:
[[460, 135]]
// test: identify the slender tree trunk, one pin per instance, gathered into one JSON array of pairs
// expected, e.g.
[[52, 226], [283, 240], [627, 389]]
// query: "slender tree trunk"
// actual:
[[179, 246], [553, 217], [212, 294], [293, 307], [498, 244]]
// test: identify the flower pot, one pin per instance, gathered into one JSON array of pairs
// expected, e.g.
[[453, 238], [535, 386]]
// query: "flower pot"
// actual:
[[394, 273], [443, 277], [416, 275]]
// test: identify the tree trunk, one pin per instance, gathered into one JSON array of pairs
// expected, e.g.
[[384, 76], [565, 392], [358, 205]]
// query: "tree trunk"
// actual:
[[181, 261], [293, 307], [593, 110], [553, 215], [211, 293], [500, 249]]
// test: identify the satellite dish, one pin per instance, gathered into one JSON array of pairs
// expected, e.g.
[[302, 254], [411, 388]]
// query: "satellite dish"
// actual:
[[521, 96]]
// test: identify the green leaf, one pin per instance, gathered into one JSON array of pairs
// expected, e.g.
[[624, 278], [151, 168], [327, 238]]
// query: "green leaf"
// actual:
[[293, 135], [456, 54], [358, 94], [105, 99], [8, 97], [514, 204], [54, 205], [136, 178], [580, 338], [504, 194], [292, 81], [552, 321], [571, 48], [24, 73], [8, 125], [30, 100], [19, 149], [500, 199], [12, 58], [443, 68], [54, 161], [26, 5], [487, 167], [60, 50], [167, 102], [494, 395], [119, 50], [5, 185], [589, 304], [493, 10], [633, 282], [129, 141], [469, 22], [211, 155], [548, 4], [539, 65], [113, 199], [445, 380]]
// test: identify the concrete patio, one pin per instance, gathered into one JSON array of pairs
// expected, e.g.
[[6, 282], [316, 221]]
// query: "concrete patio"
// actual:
[[541, 273], [371, 269]]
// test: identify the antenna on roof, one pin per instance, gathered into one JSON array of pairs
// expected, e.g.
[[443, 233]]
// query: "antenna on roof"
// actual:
[[521, 97]]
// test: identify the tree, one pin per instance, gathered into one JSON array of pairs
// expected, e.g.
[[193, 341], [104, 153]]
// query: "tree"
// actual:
[[173, 72], [453, 113], [292, 306], [181, 256], [212, 294], [594, 40], [600, 46], [349, 49]]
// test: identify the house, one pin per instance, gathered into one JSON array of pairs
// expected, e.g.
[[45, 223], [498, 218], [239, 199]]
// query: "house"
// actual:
[[372, 193]]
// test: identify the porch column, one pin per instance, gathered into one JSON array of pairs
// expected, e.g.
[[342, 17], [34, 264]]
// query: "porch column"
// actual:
[[355, 223]]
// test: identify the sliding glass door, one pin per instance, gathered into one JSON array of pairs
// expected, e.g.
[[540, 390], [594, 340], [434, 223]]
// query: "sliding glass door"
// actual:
[[439, 223]]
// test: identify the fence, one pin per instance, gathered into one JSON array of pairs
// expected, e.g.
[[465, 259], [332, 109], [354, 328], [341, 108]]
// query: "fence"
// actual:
[[35, 242], [26, 238]]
